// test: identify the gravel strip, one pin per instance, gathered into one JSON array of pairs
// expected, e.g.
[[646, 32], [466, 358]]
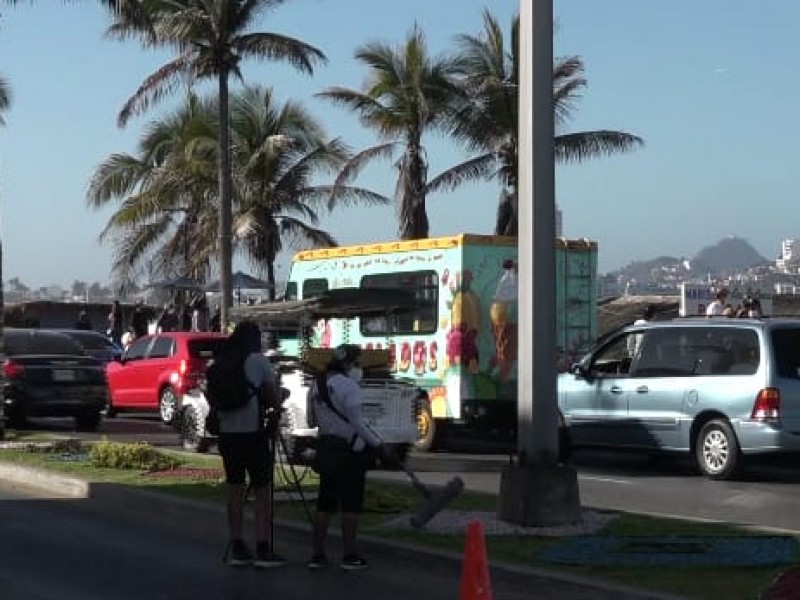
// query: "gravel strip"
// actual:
[[456, 521]]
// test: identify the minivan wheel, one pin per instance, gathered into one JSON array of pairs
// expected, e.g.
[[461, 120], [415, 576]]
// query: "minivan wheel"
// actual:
[[717, 450], [168, 405]]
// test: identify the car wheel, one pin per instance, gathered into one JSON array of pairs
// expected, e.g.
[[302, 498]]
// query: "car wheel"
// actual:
[[16, 420], [717, 450], [88, 421], [426, 427], [168, 405], [110, 412], [192, 431]]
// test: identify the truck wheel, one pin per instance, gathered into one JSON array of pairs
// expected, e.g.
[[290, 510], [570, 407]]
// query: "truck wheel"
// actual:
[[191, 432], [717, 450], [426, 427]]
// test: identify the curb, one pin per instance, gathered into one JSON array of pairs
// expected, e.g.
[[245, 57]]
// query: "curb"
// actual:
[[164, 503], [63, 485]]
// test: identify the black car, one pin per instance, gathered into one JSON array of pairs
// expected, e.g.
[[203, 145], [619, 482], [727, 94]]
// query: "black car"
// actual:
[[95, 344], [49, 374]]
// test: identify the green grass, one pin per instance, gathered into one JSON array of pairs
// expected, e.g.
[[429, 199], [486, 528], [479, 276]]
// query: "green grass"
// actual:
[[387, 500]]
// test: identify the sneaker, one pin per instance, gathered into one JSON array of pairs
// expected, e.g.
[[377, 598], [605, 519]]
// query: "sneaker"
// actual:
[[318, 561], [266, 559], [352, 562], [239, 554]]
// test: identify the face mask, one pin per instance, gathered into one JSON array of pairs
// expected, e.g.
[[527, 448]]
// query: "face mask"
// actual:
[[355, 373]]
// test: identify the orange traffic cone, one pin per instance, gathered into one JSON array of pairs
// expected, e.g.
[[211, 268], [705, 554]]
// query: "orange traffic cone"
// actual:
[[475, 581]]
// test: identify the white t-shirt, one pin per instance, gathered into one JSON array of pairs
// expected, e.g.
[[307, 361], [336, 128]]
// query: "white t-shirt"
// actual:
[[247, 419], [715, 309], [345, 395]]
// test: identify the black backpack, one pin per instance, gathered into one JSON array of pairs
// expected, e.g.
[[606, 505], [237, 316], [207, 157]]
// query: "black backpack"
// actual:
[[227, 386]]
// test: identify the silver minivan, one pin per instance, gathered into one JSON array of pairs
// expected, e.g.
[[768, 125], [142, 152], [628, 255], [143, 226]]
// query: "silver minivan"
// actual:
[[718, 388]]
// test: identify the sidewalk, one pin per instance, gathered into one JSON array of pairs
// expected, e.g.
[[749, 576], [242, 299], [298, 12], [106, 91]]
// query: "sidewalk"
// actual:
[[201, 519]]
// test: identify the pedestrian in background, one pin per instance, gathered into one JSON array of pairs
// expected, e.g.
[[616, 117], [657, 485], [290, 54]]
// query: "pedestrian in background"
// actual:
[[116, 323], [245, 444], [717, 307], [83, 321], [342, 444], [139, 320]]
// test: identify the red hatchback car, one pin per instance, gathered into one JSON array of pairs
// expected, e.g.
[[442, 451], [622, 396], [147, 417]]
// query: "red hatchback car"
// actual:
[[156, 370]]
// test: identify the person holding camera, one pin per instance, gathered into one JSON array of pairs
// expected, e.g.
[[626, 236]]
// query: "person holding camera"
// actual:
[[344, 447], [246, 438]]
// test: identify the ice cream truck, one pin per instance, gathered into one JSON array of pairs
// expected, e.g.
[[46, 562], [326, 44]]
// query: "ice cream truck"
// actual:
[[460, 342]]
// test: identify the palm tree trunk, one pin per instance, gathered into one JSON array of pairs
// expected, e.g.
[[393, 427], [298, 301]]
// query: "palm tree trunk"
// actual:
[[225, 201], [414, 223]]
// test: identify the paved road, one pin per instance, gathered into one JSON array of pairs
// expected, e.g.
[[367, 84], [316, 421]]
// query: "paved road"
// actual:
[[766, 497], [56, 549]]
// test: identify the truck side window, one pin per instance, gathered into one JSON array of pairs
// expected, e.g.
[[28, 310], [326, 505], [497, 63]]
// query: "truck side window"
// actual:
[[424, 319], [314, 287]]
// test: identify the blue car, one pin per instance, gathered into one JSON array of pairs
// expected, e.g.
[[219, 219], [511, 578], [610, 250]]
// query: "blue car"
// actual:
[[719, 389]]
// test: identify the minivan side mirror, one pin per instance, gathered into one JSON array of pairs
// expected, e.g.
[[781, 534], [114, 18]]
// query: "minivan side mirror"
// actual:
[[580, 371]]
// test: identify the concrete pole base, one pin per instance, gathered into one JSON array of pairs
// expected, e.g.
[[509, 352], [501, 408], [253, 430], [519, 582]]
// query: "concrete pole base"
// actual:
[[539, 495]]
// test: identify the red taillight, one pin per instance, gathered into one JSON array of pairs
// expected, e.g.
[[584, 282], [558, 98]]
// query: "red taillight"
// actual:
[[13, 370], [182, 368], [768, 405]]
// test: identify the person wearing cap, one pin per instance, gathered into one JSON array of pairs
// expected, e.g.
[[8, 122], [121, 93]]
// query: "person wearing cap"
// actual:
[[340, 421]]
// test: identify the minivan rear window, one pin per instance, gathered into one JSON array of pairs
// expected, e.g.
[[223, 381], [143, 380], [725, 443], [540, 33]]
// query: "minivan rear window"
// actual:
[[786, 350], [204, 348]]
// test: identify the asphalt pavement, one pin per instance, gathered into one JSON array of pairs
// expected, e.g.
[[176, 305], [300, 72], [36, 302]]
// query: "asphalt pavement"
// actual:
[[142, 545]]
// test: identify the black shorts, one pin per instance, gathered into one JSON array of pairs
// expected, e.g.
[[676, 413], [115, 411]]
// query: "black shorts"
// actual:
[[246, 453], [343, 489]]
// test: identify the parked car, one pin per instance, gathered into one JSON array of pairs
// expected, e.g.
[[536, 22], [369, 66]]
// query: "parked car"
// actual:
[[95, 343], [719, 389], [48, 374], [156, 370]]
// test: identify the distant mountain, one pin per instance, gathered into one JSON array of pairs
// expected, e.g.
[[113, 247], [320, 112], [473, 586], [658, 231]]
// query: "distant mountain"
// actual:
[[729, 254]]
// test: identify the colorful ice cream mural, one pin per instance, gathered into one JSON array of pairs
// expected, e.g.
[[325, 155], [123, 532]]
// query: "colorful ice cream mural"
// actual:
[[463, 344]]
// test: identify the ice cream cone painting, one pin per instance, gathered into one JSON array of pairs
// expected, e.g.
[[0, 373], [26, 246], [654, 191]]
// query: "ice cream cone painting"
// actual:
[[503, 329]]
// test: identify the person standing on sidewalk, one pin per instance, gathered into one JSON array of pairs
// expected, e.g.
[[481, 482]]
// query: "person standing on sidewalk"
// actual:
[[245, 443], [343, 445]]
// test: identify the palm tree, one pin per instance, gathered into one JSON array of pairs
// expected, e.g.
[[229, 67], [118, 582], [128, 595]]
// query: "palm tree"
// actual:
[[5, 98], [167, 195], [211, 38], [405, 97], [277, 151], [486, 120]]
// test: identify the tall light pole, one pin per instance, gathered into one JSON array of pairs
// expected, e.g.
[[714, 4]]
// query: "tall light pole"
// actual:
[[537, 490]]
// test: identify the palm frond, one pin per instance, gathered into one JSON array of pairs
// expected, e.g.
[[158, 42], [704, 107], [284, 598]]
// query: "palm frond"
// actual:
[[161, 83], [274, 46], [576, 147], [480, 167], [300, 235], [360, 160], [116, 177], [369, 109], [346, 196]]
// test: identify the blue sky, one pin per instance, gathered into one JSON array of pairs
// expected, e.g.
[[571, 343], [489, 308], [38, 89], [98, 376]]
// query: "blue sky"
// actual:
[[711, 86]]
